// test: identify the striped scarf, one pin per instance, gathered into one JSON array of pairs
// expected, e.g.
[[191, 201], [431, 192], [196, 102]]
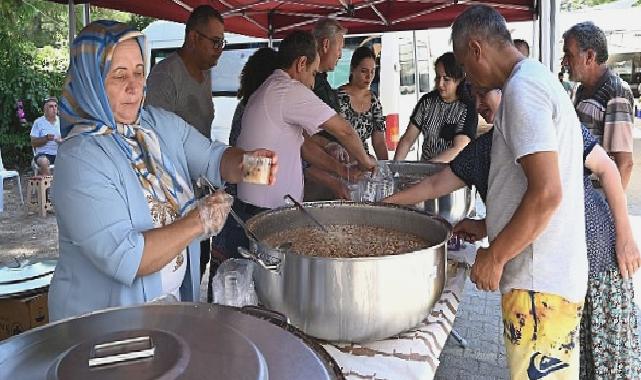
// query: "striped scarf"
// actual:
[[85, 111]]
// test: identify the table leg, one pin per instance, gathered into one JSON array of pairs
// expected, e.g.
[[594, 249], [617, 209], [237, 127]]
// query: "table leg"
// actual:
[[461, 341]]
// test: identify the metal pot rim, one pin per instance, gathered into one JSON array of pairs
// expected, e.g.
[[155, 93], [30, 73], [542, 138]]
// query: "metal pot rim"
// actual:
[[263, 315], [255, 219]]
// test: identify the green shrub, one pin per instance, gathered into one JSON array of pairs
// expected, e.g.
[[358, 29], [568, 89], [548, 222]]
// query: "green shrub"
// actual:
[[28, 74]]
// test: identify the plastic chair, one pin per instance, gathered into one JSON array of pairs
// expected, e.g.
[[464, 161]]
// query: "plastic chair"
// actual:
[[4, 173]]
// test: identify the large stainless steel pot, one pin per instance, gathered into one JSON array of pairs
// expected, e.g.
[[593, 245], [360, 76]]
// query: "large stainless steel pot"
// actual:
[[351, 299], [453, 207], [167, 341]]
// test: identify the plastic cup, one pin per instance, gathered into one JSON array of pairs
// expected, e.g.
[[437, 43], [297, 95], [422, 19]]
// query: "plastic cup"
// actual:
[[256, 169], [231, 284], [354, 190]]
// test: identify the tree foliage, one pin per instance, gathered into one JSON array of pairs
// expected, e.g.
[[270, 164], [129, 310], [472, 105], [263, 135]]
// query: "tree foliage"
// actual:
[[26, 74], [33, 61], [570, 5]]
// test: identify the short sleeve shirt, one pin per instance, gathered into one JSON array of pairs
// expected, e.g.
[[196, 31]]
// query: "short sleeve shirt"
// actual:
[[42, 127], [440, 122], [172, 88], [536, 115], [325, 92], [274, 118], [472, 164], [365, 123], [608, 112]]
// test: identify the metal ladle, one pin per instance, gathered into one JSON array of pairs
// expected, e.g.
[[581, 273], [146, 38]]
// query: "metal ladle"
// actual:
[[236, 217], [310, 216], [286, 245]]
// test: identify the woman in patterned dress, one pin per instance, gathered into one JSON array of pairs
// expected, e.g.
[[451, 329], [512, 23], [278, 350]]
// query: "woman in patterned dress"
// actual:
[[446, 116], [360, 106], [609, 326]]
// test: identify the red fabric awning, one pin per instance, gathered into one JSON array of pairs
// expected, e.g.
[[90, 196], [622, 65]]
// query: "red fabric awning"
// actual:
[[360, 16]]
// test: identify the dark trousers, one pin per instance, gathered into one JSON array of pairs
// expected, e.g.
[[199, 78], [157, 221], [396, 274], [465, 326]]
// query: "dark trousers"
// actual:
[[230, 238], [205, 253]]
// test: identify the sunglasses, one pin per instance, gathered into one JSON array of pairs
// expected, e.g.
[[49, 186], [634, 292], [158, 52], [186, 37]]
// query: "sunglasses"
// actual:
[[217, 43]]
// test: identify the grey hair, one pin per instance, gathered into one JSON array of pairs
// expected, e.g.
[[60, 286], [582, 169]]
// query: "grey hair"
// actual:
[[589, 36], [327, 28], [480, 21]]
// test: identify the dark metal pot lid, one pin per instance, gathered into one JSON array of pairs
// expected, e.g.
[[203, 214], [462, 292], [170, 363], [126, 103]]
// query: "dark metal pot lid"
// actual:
[[167, 341], [21, 277]]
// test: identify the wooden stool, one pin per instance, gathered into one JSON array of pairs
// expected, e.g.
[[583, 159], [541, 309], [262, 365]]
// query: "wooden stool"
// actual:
[[38, 194]]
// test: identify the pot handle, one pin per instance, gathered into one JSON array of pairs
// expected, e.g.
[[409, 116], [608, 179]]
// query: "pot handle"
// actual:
[[265, 313], [249, 255], [121, 351]]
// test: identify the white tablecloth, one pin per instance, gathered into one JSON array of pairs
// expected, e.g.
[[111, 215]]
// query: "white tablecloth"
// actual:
[[413, 354]]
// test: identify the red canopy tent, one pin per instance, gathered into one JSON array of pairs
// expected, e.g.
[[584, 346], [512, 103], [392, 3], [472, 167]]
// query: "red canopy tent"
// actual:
[[275, 18]]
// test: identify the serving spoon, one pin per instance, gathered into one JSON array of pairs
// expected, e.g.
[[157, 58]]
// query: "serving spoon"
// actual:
[[283, 246], [310, 216]]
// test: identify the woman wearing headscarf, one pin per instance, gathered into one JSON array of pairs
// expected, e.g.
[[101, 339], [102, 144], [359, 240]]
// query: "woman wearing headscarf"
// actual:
[[446, 116], [128, 223]]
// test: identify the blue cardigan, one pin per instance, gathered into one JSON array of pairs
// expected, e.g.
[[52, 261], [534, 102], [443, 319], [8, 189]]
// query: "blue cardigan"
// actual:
[[102, 214]]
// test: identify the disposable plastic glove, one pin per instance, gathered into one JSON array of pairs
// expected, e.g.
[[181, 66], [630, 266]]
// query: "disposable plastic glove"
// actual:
[[213, 210]]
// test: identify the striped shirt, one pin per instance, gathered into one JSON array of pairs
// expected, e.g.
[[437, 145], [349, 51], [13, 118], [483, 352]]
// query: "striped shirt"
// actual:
[[440, 122], [608, 112]]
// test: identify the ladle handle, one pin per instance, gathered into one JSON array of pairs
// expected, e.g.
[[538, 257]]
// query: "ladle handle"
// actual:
[[310, 216], [236, 217], [241, 222], [120, 351]]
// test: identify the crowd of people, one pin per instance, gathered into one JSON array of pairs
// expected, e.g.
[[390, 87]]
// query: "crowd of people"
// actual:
[[134, 224]]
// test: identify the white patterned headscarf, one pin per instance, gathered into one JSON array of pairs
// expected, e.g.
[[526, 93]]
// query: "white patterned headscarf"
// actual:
[[85, 111]]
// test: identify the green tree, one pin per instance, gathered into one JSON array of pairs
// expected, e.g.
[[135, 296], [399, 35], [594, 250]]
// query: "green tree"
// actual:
[[34, 67], [570, 5], [29, 75], [48, 24]]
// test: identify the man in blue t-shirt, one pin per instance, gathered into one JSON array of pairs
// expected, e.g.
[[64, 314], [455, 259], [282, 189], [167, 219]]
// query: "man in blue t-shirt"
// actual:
[[45, 136]]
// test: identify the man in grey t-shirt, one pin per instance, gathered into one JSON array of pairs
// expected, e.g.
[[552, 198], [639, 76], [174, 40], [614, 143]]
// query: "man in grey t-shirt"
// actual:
[[181, 83], [535, 220]]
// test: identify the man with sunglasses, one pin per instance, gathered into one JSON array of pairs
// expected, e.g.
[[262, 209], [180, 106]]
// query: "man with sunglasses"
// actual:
[[181, 83]]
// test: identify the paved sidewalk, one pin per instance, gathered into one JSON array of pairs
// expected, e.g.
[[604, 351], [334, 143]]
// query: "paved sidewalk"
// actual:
[[479, 322]]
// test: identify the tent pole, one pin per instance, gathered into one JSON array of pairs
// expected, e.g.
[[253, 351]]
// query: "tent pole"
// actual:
[[270, 28], [536, 38], [86, 14], [72, 23], [548, 32], [416, 85]]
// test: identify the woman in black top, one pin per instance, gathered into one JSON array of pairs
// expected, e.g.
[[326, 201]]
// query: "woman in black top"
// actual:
[[446, 116]]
